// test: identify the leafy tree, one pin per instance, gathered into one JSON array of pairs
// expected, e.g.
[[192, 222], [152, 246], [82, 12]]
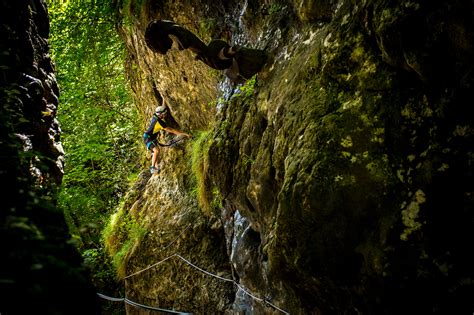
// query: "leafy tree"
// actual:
[[97, 116]]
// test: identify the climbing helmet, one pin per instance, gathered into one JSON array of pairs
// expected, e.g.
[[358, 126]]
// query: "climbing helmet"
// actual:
[[161, 110]]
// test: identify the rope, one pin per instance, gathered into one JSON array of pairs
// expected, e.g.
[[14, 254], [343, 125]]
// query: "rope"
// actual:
[[113, 299], [140, 271], [233, 281], [130, 302], [264, 301], [153, 308], [202, 270]]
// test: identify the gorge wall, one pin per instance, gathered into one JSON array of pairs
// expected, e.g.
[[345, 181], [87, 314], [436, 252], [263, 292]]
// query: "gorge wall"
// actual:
[[338, 181], [41, 271]]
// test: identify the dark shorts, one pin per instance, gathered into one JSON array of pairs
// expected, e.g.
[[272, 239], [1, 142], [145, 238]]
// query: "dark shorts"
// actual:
[[150, 145]]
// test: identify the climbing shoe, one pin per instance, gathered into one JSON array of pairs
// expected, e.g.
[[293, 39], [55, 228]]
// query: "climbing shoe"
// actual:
[[154, 170]]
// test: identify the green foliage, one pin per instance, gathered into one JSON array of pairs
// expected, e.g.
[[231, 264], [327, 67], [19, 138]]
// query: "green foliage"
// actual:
[[207, 27], [97, 116], [275, 8], [98, 121], [247, 89], [208, 196], [246, 160], [121, 236], [200, 165], [104, 277], [216, 202], [243, 92], [96, 258]]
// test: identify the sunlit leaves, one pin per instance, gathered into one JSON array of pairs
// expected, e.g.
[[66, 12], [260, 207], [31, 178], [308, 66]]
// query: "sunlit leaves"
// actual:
[[97, 116]]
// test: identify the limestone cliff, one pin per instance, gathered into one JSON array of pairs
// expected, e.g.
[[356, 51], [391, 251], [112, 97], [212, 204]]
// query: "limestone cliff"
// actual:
[[339, 180]]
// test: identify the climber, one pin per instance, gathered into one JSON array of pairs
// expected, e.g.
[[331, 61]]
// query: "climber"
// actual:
[[150, 137], [239, 63]]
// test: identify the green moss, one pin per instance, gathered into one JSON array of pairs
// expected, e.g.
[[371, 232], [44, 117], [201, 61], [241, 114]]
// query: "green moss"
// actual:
[[200, 165], [216, 202], [207, 28], [275, 8], [122, 234], [247, 89]]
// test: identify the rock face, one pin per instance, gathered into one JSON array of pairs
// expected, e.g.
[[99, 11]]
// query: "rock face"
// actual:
[[37, 261], [340, 181]]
